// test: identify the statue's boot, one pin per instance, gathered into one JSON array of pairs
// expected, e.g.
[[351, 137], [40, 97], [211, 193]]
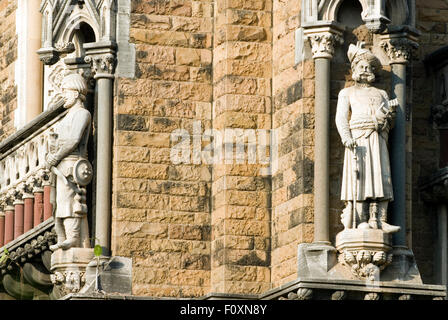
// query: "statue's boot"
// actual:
[[69, 243], [56, 246], [388, 228]]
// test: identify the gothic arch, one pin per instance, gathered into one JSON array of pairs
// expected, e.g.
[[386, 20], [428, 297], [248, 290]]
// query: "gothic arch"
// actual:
[[375, 13]]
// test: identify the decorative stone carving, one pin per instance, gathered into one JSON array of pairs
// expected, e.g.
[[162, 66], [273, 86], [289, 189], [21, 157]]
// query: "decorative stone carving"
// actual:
[[364, 117], [399, 50], [102, 64], [372, 296], [67, 149], [366, 252], [339, 295], [323, 44], [69, 267], [300, 294]]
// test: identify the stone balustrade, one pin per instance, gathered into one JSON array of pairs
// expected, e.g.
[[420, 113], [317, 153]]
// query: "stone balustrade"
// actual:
[[26, 186]]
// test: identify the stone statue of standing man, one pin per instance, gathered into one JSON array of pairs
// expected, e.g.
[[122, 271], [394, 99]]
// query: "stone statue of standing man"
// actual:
[[67, 159], [364, 117]]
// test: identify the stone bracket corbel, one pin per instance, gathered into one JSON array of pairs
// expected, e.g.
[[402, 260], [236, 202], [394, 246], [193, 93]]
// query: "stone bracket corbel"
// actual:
[[51, 55]]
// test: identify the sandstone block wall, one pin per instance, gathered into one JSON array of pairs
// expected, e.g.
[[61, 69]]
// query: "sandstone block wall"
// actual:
[[293, 118], [8, 56], [242, 60], [161, 211]]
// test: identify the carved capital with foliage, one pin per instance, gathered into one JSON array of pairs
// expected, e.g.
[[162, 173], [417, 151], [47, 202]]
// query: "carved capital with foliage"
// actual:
[[103, 65], [323, 44], [399, 50]]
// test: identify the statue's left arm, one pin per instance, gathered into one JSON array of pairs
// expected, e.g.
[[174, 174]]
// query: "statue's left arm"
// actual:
[[387, 112]]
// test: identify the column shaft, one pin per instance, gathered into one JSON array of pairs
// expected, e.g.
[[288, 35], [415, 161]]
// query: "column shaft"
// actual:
[[398, 154], [104, 164], [322, 151], [442, 237]]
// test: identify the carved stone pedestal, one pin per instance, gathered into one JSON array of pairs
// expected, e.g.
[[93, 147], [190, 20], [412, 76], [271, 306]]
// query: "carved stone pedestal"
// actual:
[[69, 267], [365, 251]]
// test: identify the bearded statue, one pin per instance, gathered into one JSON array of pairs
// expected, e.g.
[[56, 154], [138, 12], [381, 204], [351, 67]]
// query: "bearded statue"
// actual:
[[364, 117]]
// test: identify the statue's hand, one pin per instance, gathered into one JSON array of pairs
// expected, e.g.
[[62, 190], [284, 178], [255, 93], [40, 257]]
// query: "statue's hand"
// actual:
[[349, 143], [50, 161]]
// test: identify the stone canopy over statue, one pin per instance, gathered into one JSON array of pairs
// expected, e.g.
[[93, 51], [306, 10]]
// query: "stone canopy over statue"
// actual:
[[67, 159], [364, 118]]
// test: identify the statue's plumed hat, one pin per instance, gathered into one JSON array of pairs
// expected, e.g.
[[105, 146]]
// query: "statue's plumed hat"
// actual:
[[357, 53]]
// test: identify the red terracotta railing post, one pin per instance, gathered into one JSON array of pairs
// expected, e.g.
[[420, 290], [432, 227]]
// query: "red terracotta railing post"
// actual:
[[2, 228], [48, 207], [18, 215], [9, 220], [38, 209], [28, 202]]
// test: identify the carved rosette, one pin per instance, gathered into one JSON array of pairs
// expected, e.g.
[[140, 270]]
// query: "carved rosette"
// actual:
[[103, 64], [301, 294], [399, 50], [365, 264], [323, 44]]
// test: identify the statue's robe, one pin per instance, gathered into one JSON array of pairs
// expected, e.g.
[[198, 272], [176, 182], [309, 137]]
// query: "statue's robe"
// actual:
[[355, 118]]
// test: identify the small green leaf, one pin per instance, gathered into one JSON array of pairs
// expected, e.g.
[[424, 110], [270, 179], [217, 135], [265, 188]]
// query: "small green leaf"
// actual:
[[4, 256], [98, 250]]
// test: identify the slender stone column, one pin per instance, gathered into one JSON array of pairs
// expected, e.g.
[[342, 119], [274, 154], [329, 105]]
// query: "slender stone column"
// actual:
[[442, 246], [398, 48], [102, 58], [322, 41]]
